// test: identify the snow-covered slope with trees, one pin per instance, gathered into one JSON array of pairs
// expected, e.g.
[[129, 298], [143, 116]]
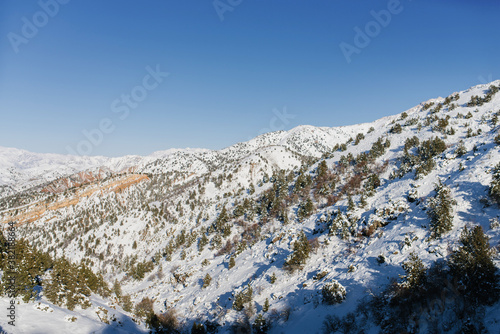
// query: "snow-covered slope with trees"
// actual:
[[307, 230]]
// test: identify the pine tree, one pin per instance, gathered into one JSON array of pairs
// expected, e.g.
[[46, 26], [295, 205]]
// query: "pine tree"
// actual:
[[60, 289], [198, 328], [260, 325], [371, 183], [242, 298], [216, 241], [283, 217], [300, 254], [495, 184], [70, 281], [127, 304], [83, 280], [350, 204], [378, 149], [265, 308], [220, 223], [344, 230], [202, 242], [231, 263], [362, 201], [251, 189], [117, 289], [441, 211], [305, 208], [223, 216], [322, 169], [94, 281], [207, 280], [144, 308], [30, 265], [473, 265], [50, 289], [27, 271], [273, 278], [415, 273], [333, 293], [302, 182]]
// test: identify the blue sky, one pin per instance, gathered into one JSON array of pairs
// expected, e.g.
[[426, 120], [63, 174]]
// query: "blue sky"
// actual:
[[230, 68]]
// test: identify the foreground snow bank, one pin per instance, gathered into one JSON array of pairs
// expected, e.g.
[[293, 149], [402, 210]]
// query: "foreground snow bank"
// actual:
[[42, 317]]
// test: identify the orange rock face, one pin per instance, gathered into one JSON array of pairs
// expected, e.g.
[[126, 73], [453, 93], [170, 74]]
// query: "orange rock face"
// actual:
[[92, 185]]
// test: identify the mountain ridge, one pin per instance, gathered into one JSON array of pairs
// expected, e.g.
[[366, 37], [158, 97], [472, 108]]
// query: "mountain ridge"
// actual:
[[361, 197]]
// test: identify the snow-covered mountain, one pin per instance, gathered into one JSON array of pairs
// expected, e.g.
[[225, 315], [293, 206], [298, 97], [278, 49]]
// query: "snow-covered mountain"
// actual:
[[195, 230], [20, 169]]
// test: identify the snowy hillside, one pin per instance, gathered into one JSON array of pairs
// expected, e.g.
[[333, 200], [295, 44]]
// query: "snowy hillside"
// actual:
[[21, 170], [291, 232]]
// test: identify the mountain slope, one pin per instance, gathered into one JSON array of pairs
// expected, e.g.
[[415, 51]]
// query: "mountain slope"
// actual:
[[361, 194]]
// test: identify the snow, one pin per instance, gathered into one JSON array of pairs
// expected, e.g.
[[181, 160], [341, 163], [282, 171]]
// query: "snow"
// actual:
[[42, 317], [467, 176]]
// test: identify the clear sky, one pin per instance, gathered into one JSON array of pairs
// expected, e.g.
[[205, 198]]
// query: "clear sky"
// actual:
[[67, 67]]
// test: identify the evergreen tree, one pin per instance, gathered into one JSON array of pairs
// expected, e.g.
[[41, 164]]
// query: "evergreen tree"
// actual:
[[260, 325], [350, 204], [231, 263], [117, 289], [340, 226], [216, 241], [265, 308], [58, 289], [396, 128], [221, 222], [378, 149], [344, 230], [305, 209], [371, 183], [322, 169], [198, 329], [283, 217], [202, 242], [461, 150], [431, 148], [26, 271], [144, 309], [51, 289], [473, 265], [359, 138], [495, 184], [333, 293], [251, 189], [94, 281], [223, 216], [30, 265], [127, 304], [415, 273], [273, 278], [441, 211], [69, 285], [84, 279], [302, 182], [300, 254], [207, 280], [362, 201], [242, 298]]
